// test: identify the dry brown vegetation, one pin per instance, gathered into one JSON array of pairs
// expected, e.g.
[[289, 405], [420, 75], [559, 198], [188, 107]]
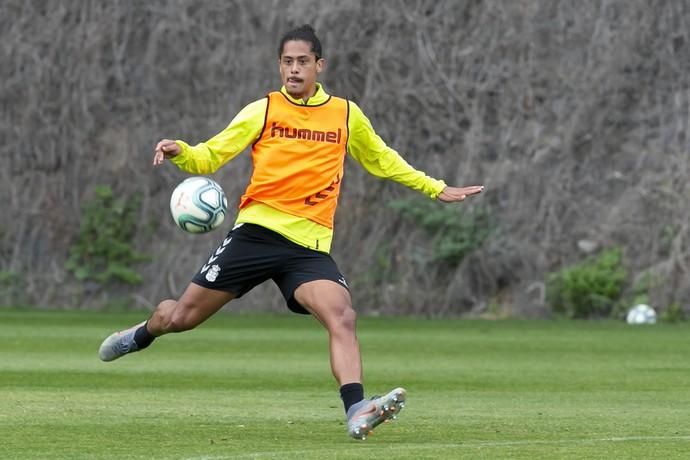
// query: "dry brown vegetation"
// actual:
[[575, 115]]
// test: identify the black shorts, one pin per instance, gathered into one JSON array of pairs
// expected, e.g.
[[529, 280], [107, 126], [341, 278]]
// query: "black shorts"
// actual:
[[252, 254]]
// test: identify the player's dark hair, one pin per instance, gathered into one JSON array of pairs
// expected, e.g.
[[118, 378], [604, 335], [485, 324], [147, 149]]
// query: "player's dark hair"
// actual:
[[304, 33]]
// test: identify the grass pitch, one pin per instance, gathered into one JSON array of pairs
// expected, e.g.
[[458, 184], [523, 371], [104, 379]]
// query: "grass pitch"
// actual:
[[259, 387]]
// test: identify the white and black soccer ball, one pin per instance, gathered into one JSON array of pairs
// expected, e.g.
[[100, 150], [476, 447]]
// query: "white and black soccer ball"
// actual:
[[641, 314], [198, 205]]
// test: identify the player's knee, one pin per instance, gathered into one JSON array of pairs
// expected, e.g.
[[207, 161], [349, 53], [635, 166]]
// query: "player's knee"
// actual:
[[345, 318]]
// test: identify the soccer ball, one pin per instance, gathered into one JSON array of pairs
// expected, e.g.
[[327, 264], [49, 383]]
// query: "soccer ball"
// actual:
[[641, 314], [198, 205]]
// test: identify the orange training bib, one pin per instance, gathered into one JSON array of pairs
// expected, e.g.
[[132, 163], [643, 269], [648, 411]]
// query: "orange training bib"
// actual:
[[298, 159]]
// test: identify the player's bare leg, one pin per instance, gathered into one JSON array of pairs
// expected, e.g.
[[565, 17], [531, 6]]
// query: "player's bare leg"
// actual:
[[331, 304], [195, 306]]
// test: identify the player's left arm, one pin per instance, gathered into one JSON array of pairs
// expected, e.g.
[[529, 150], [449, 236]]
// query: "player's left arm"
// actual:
[[369, 150]]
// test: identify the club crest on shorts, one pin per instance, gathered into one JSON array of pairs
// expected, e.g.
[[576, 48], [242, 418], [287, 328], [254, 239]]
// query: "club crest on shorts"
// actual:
[[215, 255], [212, 273]]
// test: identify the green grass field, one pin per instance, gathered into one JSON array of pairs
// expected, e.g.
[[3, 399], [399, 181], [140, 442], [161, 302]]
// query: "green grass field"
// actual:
[[260, 387]]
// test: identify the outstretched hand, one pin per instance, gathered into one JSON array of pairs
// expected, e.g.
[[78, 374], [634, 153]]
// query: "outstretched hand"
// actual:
[[165, 149], [452, 194]]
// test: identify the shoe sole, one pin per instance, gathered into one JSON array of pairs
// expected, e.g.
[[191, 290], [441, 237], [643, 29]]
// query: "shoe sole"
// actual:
[[387, 409]]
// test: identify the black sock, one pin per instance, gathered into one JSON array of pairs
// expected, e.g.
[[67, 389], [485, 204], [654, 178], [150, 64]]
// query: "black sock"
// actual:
[[351, 393], [143, 337]]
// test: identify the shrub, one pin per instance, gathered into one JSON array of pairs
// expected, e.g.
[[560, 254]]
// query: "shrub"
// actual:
[[673, 313], [103, 251], [11, 285], [588, 289], [456, 231]]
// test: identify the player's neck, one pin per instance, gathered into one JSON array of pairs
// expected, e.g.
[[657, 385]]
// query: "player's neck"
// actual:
[[306, 95]]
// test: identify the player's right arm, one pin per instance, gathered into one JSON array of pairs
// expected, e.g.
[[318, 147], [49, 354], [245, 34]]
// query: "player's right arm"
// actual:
[[207, 157]]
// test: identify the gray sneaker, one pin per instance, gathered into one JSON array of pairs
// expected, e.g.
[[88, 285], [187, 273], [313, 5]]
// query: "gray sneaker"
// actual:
[[119, 344], [367, 414]]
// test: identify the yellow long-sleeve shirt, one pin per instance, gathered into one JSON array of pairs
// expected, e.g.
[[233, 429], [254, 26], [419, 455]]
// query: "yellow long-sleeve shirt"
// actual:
[[363, 145]]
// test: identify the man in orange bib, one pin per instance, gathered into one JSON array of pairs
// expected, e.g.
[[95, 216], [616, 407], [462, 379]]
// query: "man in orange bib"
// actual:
[[284, 229]]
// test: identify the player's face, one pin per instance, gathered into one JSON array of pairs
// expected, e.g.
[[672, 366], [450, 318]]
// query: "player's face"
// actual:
[[299, 69]]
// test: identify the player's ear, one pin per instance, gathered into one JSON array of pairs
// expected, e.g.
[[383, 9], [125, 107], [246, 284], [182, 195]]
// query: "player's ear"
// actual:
[[320, 65]]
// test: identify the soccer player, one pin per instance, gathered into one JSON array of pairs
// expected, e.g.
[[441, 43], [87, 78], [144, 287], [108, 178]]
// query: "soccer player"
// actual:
[[299, 137]]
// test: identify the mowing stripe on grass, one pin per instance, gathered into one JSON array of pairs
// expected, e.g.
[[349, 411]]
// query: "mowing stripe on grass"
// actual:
[[260, 387], [436, 446]]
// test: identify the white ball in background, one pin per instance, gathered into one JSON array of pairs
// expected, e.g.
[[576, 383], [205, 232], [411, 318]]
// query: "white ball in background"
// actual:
[[641, 314]]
